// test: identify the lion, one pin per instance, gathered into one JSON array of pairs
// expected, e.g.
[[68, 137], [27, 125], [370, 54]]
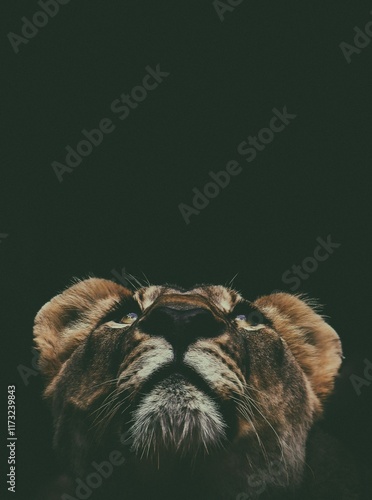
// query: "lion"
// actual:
[[199, 393]]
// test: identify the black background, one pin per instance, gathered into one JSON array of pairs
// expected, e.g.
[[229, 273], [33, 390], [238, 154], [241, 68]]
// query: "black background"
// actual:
[[119, 208]]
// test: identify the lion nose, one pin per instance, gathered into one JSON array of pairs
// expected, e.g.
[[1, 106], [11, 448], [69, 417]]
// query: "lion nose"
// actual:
[[181, 326]]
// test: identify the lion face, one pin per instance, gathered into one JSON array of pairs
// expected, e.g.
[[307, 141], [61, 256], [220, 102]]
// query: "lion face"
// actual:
[[185, 375]]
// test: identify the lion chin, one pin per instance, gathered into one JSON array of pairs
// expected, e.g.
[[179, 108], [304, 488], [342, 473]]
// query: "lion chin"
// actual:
[[176, 419]]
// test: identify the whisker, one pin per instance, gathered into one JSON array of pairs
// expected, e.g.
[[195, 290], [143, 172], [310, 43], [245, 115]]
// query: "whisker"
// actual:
[[112, 381], [105, 402], [140, 285], [127, 277], [280, 443], [244, 412], [230, 283], [147, 282]]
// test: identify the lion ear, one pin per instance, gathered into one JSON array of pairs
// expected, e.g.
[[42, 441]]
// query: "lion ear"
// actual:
[[67, 319], [315, 345]]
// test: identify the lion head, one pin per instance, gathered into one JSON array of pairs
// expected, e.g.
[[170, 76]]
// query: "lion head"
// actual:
[[195, 386]]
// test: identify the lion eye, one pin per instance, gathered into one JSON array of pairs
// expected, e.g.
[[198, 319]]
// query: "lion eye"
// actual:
[[117, 319], [251, 320], [129, 318], [132, 316], [241, 317]]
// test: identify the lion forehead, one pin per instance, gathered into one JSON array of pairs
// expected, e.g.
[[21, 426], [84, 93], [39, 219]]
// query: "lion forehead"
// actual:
[[222, 297]]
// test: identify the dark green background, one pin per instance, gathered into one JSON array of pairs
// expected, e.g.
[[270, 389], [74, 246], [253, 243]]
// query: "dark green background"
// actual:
[[119, 208]]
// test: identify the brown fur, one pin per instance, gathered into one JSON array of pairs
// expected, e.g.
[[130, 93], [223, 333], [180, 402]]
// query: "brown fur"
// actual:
[[68, 318], [210, 405], [314, 344]]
